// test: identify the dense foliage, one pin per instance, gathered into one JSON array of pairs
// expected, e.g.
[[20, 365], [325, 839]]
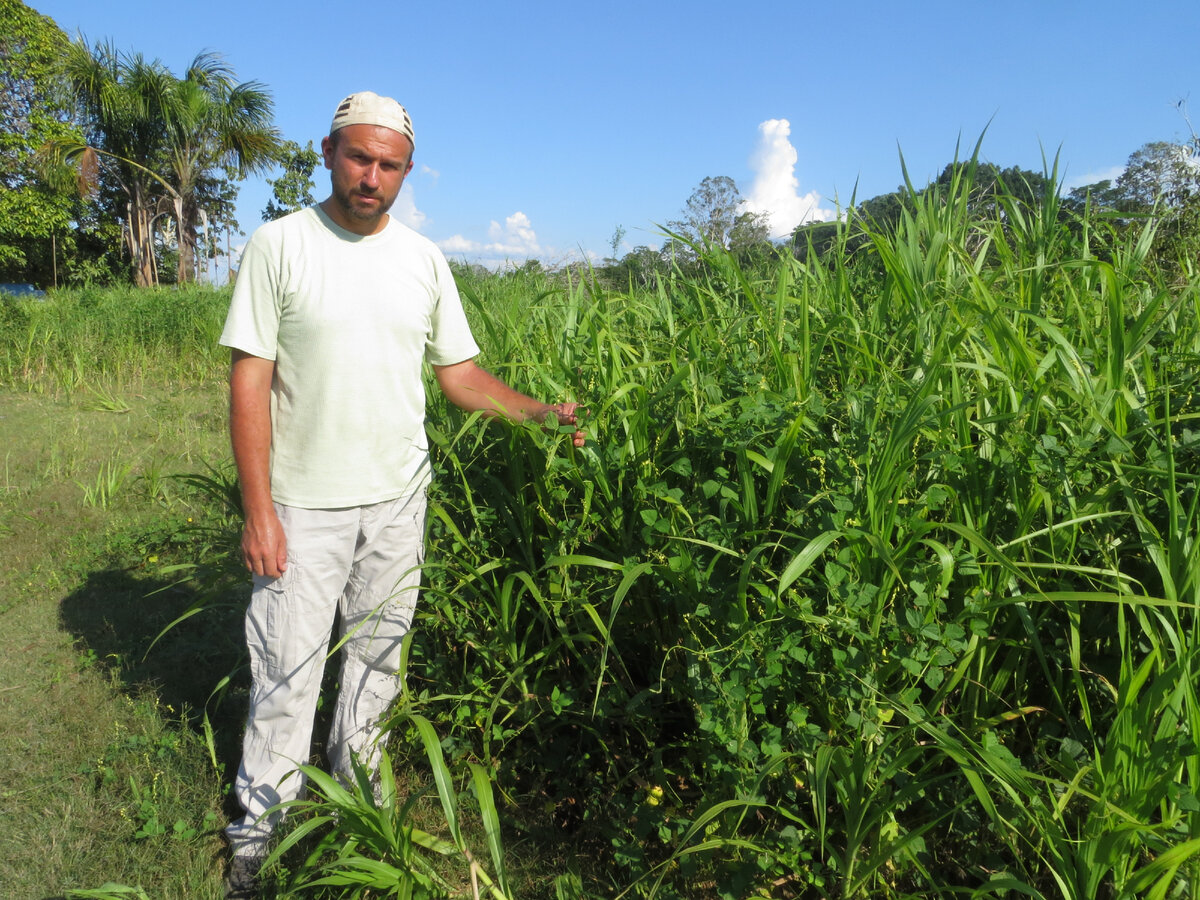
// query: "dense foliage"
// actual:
[[104, 151], [161, 144], [879, 579], [36, 209], [878, 576]]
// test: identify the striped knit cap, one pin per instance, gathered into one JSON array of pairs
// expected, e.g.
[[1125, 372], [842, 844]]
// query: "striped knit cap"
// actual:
[[368, 108]]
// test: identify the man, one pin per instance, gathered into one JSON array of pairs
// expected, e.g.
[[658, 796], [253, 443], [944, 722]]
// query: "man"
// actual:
[[334, 311]]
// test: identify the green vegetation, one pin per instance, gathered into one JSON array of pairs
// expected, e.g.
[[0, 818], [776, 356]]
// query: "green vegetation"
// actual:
[[154, 139], [104, 779], [36, 211], [878, 577], [293, 189], [114, 169]]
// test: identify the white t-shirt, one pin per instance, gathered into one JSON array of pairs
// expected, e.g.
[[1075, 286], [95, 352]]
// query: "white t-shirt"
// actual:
[[348, 321]]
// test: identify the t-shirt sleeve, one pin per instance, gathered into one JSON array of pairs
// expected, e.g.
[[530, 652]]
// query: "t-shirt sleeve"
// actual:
[[252, 324], [450, 339]]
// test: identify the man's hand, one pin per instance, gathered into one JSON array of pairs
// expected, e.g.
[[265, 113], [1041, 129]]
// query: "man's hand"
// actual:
[[264, 547], [566, 414]]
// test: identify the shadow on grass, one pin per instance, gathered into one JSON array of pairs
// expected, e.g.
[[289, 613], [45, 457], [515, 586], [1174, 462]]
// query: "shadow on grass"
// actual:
[[117, 617], [197, 667]]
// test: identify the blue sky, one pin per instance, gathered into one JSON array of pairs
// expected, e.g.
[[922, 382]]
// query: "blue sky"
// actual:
[[542, 126]]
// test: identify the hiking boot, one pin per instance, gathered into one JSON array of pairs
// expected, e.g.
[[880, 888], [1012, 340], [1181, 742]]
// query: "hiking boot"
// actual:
[[241, 880]]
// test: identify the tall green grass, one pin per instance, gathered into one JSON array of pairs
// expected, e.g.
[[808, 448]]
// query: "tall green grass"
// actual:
[[98, 337], [878, 575], [898, 543]]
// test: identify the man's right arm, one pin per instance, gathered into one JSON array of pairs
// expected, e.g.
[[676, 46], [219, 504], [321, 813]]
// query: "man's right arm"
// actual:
[[264, 548]]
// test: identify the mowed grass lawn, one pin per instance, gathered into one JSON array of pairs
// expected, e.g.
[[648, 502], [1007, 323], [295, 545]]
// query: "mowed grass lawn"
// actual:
[[93, 762]]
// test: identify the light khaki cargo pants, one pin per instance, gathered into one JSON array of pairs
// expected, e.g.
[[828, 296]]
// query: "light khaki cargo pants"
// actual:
[[363, 562]]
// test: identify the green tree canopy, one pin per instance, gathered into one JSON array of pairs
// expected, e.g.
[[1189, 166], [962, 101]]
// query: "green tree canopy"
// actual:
[[123, 99], [34, 110], [293, 189], [1157, 174], [213, 125], [990, 189], [1161, 179], [713, 215]]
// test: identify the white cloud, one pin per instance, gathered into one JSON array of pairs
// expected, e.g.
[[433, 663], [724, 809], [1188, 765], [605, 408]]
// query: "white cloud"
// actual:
[[405, 209], [776, 190], [458, 244], [516, 236], [515, 239]]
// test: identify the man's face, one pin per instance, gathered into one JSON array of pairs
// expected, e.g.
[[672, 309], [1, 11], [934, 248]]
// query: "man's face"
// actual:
[[369, 164]]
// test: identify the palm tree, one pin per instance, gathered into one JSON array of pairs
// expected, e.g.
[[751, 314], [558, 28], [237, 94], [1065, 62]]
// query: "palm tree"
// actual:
[[213, 123], [124, 100], [162, 140]]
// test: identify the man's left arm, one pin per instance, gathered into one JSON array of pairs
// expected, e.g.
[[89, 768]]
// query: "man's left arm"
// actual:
[[469, 387]]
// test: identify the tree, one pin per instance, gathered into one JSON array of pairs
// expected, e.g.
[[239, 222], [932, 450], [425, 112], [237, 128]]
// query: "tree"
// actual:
[[750, 231], [1159, 174], [172, 147], [713, 216], [639, 268], [212, 124], [293, 189], [817, 237], [614, 242], [217, 196], [36, 208], [123, 100], [1161, 180], [1101, 195], [989, 181]]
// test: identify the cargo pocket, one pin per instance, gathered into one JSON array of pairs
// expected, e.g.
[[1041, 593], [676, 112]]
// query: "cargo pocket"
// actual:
[[271, 624]]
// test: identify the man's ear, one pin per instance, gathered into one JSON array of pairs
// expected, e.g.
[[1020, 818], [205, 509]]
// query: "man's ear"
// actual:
[[327, 151]]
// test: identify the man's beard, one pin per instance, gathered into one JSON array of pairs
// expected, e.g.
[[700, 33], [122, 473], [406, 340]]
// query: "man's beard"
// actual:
[[345, 202]]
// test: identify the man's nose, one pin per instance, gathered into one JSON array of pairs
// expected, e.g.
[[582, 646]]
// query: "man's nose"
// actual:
[[370, 175]]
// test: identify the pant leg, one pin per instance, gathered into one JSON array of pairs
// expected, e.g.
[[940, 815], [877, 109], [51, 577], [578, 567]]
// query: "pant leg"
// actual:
[[377, 610], [288, 624]]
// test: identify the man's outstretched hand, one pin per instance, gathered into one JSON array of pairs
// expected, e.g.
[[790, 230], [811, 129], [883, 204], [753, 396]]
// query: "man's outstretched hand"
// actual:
[[566, 414]]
